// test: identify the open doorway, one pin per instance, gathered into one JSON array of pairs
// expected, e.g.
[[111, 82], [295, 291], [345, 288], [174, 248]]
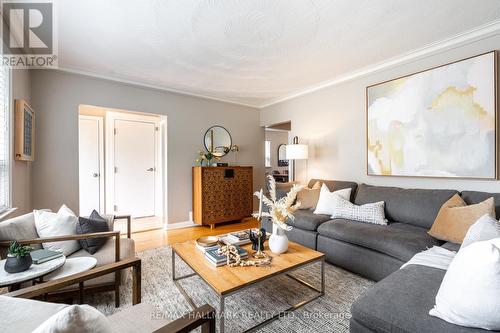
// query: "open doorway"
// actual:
[[122, 165], [276, 138]]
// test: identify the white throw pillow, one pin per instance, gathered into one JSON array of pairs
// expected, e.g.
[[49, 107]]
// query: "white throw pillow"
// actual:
[[76, 318], [370, 213], [326, 199], [51, 224], [470, 292], [485, 228], [65, 210]]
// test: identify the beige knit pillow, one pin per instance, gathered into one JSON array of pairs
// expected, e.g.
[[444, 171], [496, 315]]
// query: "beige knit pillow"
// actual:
[[455, 218]]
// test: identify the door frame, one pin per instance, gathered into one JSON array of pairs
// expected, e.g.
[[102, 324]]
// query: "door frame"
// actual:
[[102, 171], [111, 117]]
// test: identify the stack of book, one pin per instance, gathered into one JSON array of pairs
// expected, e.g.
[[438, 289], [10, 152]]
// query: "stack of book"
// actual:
[[206, 248], [41, 256], [237, 238], [220, 260]]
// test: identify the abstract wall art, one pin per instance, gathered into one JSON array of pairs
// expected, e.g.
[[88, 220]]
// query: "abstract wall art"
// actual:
[[441, 122]]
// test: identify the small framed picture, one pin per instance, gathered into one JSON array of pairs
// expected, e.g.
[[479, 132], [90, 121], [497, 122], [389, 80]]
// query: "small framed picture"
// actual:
[[24, 131]]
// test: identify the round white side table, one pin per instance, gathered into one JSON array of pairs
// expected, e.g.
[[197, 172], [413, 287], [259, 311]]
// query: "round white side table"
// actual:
[[74, 266], [35, 271]]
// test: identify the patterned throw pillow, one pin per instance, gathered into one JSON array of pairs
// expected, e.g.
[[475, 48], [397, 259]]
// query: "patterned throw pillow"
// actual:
[[370, 213], [485, 228]]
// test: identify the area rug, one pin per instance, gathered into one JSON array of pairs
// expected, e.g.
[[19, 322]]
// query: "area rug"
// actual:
[[330, 313]]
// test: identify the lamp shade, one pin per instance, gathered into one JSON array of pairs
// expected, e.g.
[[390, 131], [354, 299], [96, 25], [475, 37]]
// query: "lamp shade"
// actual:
[[297, 152]]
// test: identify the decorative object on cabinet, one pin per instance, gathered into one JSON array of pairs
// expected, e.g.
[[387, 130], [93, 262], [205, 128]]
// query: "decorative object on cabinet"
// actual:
[[24, 131], [222, 194], [282, 161], [218, 141], [204, 158], [441, 122], [296, 151]]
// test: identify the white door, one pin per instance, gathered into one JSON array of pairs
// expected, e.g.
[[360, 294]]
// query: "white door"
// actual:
[[90, 158], [135, 167]]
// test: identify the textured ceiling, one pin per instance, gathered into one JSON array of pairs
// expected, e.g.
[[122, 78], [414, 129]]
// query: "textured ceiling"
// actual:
[[251, 51]]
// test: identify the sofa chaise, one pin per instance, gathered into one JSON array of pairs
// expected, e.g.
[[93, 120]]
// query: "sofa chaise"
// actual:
[[401, 301]]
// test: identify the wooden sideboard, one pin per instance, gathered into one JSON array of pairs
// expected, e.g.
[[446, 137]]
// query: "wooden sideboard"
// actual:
[[222, 194]]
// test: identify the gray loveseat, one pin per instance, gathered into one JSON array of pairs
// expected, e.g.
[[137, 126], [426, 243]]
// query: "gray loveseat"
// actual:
[[401, 301]]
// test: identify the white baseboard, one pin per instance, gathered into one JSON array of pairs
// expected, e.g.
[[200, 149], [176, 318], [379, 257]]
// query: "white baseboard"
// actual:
[[180, 225]]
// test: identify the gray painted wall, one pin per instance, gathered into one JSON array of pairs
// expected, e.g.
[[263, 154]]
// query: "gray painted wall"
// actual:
[[21, 171], [332, 121], [55, 97]]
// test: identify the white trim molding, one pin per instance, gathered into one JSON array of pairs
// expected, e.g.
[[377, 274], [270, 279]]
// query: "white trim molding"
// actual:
[[180, 225], [151, 86]]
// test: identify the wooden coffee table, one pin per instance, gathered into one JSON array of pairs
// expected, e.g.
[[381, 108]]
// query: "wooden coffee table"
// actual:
[[227, 281]]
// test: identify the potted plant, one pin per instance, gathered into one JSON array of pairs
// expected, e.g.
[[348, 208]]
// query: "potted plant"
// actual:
[[280, 211], [204, 157], [18, 258]]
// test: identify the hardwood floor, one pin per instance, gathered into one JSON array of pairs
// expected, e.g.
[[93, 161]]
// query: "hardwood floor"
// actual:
[[157, 238]]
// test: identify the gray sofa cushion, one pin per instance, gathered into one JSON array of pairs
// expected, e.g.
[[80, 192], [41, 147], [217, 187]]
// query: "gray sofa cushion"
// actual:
[[360, 260], [401, 303], [335, 185], [473, 197], [399, 240], [307, 220], [451, 246], [297, 235], [414, 206]]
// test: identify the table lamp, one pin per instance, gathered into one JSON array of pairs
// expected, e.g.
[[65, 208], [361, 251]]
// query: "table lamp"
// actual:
[[296, 151]]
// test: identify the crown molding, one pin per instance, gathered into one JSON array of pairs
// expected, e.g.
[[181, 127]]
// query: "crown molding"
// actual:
[[150, 86], [467, 37]]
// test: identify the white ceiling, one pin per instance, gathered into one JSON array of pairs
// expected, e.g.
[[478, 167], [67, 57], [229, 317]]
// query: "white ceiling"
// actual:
[[251, 52]]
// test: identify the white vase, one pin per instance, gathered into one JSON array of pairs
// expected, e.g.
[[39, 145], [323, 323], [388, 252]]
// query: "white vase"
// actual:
[[278, 242]]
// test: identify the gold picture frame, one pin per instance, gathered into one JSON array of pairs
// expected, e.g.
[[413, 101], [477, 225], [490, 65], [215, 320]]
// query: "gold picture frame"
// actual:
[[389, 89], [24, 131]]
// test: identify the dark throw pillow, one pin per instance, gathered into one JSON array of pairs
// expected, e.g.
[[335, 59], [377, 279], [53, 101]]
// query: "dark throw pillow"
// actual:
[[94, 223]]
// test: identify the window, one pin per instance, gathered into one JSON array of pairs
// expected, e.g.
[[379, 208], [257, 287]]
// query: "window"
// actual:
[[4, 139], [268, 154]]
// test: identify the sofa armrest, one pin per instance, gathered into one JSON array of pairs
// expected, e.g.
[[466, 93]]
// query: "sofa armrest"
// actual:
[[203, 316], [108, 234], [129, 223]]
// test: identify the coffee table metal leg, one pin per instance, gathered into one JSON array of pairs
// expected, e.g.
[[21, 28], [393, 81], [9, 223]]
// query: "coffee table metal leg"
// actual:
[[80, 292], [222, 313], [323, 276], [173, 264]]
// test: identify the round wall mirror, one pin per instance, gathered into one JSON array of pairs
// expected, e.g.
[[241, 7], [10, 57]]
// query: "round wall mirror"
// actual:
[[282, 161], [218, 141]]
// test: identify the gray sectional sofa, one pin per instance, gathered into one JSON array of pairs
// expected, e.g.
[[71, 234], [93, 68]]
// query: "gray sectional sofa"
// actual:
[[401, 301]]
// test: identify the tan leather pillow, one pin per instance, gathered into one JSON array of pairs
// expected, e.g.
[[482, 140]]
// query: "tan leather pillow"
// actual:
[[455, 218], [308, 198], [316, 186]]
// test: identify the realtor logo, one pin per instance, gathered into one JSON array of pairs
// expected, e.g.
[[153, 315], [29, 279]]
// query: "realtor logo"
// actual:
[[28, 34]]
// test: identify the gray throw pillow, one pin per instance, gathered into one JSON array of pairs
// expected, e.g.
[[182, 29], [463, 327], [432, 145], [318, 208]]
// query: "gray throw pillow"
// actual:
[[94, 223]]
